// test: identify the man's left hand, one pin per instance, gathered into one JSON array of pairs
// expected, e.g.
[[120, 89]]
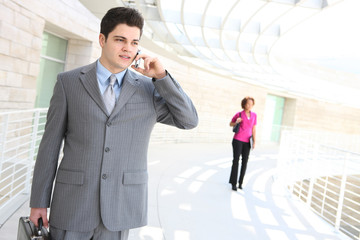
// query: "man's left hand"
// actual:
[[152, 67]]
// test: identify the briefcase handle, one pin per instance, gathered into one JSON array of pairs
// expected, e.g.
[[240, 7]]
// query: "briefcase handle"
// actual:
[[40, 226]]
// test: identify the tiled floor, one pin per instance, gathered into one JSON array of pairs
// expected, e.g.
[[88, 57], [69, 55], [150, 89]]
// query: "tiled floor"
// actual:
[[190, 199]]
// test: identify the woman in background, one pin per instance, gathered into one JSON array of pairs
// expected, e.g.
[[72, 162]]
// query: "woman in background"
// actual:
[[241, 140]]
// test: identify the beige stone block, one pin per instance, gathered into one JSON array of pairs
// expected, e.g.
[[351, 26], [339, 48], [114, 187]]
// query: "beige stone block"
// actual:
[[37, 43], [37, 7], [4, 46], [3, 75], [30, 95], [79, 49], [7, 14], [55, 18], [12, 5], [33, 55], [70, 59], [22, 22], [4, 94], [18, 50], [37, 27], [34, 69], [7, 63], [29, 82], [82, 60], [8, 31], [17, 94], [24, 37], [13, 106], [13, 79], [90, 34], [20, 66], [80, 42]]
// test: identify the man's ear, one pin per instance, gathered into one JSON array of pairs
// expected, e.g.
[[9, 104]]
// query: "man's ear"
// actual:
[[102, 39]]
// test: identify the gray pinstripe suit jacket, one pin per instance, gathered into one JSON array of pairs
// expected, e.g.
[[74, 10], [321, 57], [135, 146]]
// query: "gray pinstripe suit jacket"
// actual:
[[103, 173]]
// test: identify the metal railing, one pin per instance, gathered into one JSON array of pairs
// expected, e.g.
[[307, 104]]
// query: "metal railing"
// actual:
[[325, 177], [20, 135]]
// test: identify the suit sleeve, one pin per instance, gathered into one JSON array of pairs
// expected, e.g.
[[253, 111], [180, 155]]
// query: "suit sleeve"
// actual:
[[48, 154], [172, 105]]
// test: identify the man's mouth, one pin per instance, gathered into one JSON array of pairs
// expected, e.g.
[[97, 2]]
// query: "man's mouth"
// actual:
[[126, 57]]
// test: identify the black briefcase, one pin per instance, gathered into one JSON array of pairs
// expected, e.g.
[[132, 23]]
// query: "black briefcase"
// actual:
[[28, 231]]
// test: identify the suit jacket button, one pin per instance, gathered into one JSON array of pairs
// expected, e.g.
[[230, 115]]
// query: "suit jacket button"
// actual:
[[104, 176], [107, 149]]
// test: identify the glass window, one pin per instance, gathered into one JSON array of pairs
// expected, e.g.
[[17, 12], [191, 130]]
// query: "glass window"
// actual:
[[52, 62]]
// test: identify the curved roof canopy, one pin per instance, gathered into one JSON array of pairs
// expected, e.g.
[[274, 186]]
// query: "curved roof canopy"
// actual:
[[235, 38]]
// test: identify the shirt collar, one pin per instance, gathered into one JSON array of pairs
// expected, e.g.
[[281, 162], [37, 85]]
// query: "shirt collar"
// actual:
[[103, 75]]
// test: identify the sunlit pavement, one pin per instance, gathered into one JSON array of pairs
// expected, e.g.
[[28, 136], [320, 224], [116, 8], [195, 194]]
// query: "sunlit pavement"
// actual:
[[190, 199]]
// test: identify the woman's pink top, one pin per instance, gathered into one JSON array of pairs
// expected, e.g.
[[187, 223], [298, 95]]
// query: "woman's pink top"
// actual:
[[246, 126]]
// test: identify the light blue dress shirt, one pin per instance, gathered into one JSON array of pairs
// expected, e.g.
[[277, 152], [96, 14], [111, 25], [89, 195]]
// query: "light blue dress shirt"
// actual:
[[103, 77]]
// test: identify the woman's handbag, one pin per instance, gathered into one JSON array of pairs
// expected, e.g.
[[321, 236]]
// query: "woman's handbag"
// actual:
[[236, 128]]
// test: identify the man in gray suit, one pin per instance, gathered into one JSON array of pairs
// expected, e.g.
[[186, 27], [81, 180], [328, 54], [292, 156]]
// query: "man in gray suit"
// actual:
[[100, 187]]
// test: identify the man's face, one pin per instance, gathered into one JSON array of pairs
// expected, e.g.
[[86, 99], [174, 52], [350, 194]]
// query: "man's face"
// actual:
[[120, 48]]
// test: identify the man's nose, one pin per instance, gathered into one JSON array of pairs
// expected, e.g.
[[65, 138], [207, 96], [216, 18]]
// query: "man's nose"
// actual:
[[127, 47]]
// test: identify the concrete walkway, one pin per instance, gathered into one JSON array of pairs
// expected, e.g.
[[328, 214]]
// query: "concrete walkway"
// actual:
[[190, 199]]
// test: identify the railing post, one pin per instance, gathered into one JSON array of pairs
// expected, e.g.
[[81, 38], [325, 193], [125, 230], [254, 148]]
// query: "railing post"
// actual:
[[313, 162], [3, 140], [32, 150], [341, 194]]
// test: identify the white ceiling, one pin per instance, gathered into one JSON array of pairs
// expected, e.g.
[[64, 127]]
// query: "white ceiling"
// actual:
[[241, 39]]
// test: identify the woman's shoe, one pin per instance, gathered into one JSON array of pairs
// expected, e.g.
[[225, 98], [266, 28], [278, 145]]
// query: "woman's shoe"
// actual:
[[234, 187], [240, 186]]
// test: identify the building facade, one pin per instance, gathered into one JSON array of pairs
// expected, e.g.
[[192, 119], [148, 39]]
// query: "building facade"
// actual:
[[39, 39]]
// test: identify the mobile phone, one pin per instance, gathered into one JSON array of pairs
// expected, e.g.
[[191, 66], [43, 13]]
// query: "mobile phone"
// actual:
[[137, 62]]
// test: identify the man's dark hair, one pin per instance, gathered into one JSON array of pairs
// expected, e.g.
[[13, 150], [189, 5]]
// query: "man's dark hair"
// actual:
[[118, 15], [245, 100]]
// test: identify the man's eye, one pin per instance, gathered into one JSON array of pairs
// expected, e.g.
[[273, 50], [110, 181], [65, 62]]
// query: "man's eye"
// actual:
[[119, 40], [135, 43]]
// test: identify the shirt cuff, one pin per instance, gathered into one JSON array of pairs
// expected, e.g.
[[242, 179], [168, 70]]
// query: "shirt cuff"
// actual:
[[157, 79]]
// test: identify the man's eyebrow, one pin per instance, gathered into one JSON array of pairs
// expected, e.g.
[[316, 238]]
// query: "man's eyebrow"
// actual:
[[122, 37]]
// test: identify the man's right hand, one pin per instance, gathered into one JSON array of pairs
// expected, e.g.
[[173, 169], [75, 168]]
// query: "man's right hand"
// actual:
[[37, 213]]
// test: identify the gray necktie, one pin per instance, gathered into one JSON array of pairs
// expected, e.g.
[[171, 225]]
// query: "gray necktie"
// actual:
[[109, 95]]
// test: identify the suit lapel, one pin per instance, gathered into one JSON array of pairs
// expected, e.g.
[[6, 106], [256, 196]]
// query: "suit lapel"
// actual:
[[129, 85], [88, 78]]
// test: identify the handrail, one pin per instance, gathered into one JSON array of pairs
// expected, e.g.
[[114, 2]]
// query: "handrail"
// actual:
[[324, 176], [20, 135]]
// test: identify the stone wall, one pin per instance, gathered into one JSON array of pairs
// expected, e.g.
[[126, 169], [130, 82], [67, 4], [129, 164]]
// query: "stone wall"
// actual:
[[22, 23]]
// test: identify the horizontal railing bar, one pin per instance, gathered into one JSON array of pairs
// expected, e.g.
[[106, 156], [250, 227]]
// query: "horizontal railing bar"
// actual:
[[339, 149], [24, 111], [351, 226], [11, 175], [19, 129], [10, 159], [9, 184], [16, 147], [353, 211], [7, 202], [14, 139], [11, 194], [348, 233], [350, 200], [350, 216]]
